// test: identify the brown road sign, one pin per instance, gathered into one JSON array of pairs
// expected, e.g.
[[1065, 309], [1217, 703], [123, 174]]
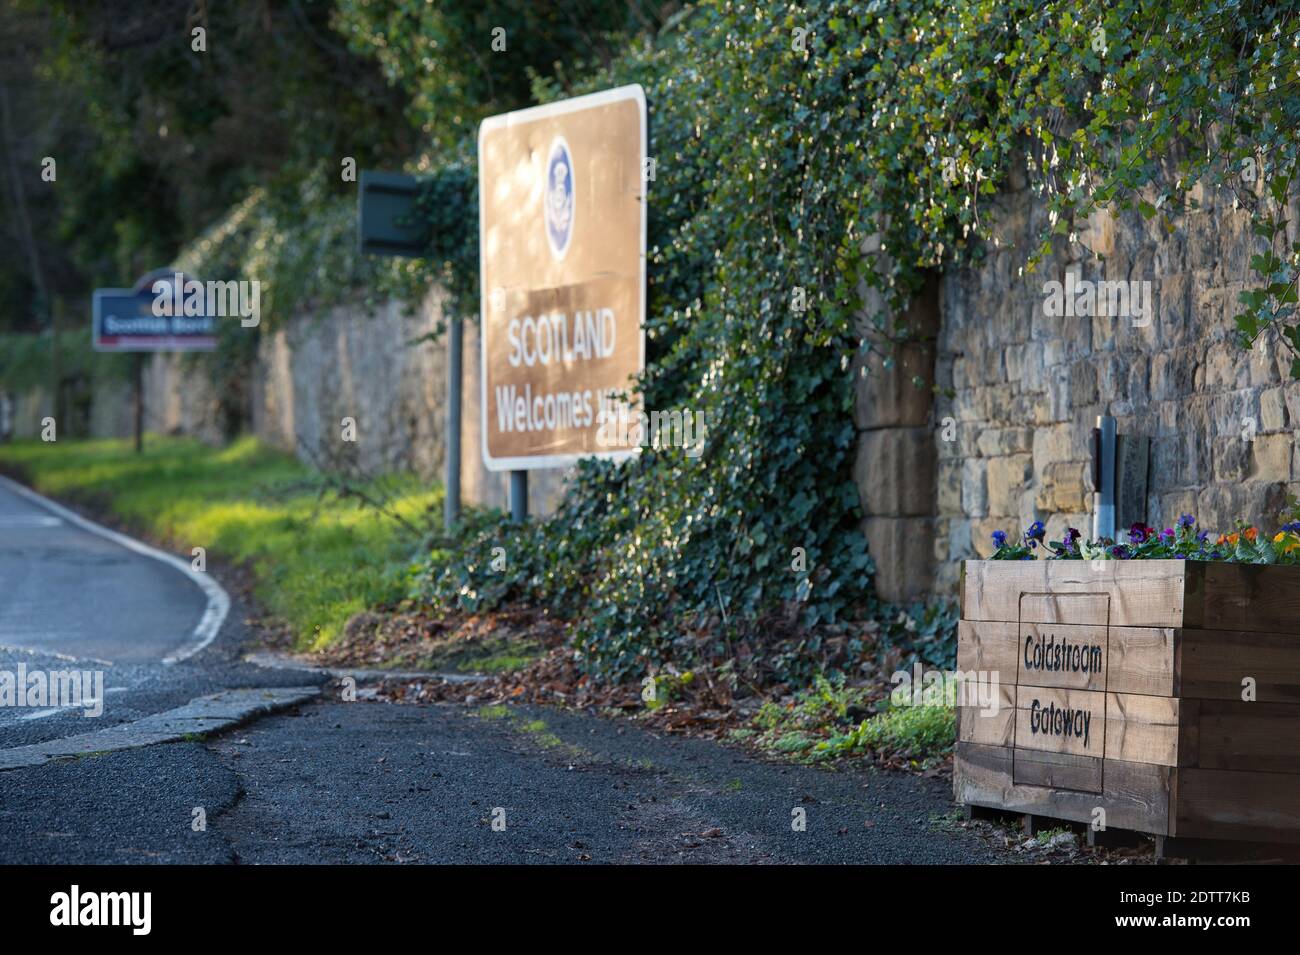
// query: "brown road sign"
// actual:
[[562, 232]]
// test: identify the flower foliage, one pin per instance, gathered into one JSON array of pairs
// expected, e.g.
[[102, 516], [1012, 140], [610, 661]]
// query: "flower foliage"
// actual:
[[1184, 541]]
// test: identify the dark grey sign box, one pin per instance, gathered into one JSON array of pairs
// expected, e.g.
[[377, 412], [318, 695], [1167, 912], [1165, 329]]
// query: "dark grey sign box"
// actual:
[[386, 220]]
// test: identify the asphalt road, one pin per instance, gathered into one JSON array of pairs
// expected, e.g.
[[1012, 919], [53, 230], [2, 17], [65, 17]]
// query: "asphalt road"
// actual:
[[371, 782], [65, 590], [73, 599], [367, 782]]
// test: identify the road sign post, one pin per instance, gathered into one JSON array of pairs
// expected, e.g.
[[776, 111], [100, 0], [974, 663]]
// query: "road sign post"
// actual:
[[145, 319], [387, 224], [562, 226], [519, 496], [451, 503], [138, 381]]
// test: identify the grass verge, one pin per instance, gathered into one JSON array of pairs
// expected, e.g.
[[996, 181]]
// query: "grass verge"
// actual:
[[830, 721]]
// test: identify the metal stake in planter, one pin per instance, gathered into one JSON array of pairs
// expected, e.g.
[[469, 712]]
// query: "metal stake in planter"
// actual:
[[1103, 511]]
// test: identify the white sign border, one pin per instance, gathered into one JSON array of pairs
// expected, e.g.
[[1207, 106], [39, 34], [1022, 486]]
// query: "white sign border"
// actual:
[[633, 92]]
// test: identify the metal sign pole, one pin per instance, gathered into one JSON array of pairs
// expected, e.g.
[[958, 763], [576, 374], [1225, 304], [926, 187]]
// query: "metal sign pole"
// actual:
[[56, 360], [518, 496], [139, 402], [451, 502]]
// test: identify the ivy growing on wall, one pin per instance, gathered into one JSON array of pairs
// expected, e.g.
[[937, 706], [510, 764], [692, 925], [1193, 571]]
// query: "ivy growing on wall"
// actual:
[[808, 154]]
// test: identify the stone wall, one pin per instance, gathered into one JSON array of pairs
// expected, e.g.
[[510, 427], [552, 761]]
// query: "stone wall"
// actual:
[[27, 408], [179, 398], [895, 467], [1026, 387], [350, 361], [377, 367], [1007, 441], [107, 407]]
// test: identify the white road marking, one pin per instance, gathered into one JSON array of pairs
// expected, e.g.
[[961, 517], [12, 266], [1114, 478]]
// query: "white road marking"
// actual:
[[52, 711], [56, 655], [26, 520], [218, 600], [88, 702]]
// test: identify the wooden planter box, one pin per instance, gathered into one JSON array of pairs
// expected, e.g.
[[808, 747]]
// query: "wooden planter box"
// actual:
[[1144, 661]]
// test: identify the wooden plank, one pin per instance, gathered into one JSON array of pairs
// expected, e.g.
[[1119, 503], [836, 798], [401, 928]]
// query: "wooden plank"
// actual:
[[1143, 593], [1142, 729], [1066, 655], [1057, 770], [1065, 608], [988, 647], [1224, 804], [1262, 737], [1261, 597], [1141, 660], [1132, 659], [1211, 664], [1060, 721], [1189, 731], [1135, 795], [1135, 659], [992, 725]]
